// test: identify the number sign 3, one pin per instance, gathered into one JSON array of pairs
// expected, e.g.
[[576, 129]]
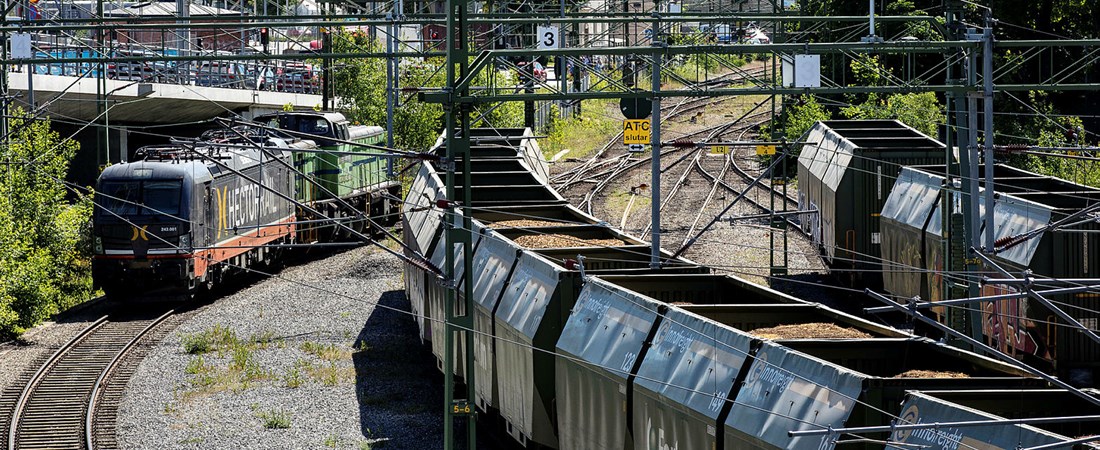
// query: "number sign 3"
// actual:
[[548, 37]]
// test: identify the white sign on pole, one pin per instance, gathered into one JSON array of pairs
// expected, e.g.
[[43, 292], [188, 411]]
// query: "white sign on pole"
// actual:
[[802, 71], [21, 46], [548, 37], [635, 148]]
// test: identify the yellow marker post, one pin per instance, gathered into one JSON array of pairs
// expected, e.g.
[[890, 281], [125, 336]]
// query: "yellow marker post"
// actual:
[[719, 149], [762, 150]]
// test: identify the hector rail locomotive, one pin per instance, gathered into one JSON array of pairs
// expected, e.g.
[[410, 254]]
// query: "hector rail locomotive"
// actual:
[[183, 217]]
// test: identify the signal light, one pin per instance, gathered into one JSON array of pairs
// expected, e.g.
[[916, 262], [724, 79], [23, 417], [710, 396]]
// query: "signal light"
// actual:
[[265, 37]]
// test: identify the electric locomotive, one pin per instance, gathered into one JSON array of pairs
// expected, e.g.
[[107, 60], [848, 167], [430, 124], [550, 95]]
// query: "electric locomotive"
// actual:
[[180, 218]]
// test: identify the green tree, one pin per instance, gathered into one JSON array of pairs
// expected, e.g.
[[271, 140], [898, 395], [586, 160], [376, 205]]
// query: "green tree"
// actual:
[[800, 115], [921, 111], [44, 239], [360, 88]]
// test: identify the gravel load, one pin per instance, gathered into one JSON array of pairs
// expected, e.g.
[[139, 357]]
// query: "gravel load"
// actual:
[[324, 356], [814, 330], [916, 373], [564, 241], [525, 223]]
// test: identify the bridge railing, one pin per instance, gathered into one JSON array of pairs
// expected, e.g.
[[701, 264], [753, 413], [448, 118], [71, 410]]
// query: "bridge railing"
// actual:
[[228, 73]]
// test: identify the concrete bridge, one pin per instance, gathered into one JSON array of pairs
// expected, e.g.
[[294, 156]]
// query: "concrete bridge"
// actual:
[[129, 102]]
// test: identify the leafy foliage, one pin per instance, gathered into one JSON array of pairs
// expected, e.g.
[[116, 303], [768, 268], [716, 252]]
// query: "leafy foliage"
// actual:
[[45, 248], [799, 116], [922, 111], [360, 86], [918, 110]]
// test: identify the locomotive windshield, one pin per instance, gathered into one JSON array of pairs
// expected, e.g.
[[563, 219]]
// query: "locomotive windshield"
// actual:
[[146, 198]]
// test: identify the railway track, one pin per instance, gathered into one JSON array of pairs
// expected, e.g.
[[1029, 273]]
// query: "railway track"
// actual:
[[70, 402], [683, 106]]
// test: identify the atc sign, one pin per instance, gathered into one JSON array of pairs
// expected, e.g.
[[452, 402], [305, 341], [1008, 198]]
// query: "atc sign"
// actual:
[[636, 131]]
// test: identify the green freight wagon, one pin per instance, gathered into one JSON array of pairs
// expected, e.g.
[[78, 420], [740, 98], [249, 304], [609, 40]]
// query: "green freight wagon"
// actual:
[[358, 175], [845, 171]]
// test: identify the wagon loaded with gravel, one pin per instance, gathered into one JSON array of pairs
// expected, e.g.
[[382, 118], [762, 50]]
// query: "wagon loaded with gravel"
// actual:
[[579, 343]]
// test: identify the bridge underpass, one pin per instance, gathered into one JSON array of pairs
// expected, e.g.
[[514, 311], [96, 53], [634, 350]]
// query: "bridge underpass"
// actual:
[[134, 116]]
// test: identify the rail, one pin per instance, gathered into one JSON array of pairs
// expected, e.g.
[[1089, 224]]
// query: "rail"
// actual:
[[99, 383], [24, 396], [50, 409]]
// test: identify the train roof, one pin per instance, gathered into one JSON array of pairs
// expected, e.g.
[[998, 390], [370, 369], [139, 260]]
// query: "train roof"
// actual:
[[1025, 201], [202, 164], [832, 147], [332, 116], [158, 170]]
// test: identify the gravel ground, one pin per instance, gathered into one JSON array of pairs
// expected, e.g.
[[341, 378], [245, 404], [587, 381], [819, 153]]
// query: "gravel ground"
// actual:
[[336, 370]]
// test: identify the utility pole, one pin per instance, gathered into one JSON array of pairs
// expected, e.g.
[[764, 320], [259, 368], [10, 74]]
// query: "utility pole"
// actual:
[[101, 89], [393, 65], [655, 147], [4, 80], [971, 205], [458, 149], [987, 103], [183, 37]]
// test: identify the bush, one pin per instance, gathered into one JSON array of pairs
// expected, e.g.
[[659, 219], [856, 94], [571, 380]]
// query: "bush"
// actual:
[[45, 251]]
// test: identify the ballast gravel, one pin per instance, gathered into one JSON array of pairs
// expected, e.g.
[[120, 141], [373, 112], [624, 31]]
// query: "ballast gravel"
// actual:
[[375, 387]]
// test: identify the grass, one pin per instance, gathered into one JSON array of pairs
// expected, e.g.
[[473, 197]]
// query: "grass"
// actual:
[[222, 361], [274, 419], [240, 369], [599, 121], [294, 378], [326, 352]]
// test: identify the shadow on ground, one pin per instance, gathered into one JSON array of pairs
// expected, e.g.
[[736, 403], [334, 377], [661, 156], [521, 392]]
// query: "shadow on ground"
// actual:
[[397, 382]]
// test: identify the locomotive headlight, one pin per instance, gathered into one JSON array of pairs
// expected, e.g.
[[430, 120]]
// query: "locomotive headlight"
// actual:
[[97, 243]]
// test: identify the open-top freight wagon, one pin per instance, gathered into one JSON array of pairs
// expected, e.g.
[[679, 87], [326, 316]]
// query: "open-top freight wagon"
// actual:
[[845, 171], [1026, 204], [579, 344]]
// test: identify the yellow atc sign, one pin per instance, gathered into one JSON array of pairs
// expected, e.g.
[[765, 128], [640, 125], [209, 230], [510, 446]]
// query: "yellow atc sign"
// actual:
[[636, 131]]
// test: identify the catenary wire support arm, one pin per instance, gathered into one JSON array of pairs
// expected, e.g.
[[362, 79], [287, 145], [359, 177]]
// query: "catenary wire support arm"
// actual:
[[979, 345], [1027, 282]]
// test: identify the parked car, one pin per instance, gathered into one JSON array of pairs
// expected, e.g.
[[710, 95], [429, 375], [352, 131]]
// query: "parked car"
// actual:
[[298, 78], [259, 76], [221, 74], [132, 70]]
